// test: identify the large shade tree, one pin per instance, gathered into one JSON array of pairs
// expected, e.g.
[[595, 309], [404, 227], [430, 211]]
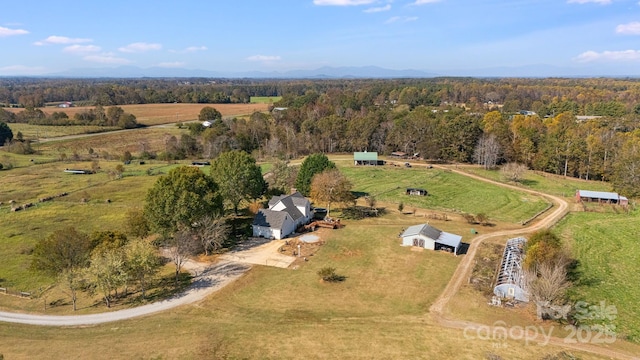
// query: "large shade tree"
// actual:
[[209, 113], [181, 198], [312, 165], [63, 254], [331, 186], [238, 177]]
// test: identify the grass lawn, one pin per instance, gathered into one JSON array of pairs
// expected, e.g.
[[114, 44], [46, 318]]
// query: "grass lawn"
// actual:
[[447, 191], [378, 312], [265, 99], [22, 229], [44, 131], [606, 245]]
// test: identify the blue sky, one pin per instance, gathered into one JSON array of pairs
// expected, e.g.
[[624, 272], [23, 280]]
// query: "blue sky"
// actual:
[[598, 37]]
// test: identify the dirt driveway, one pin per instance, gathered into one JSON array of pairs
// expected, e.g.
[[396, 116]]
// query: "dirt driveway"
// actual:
[[259, 251]]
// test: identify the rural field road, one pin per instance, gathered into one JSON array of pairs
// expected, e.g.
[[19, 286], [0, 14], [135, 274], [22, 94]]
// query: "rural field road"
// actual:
[[208, 279], [463, 272]]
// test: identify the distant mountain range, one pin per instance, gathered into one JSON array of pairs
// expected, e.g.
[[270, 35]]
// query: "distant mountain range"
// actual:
[[320, 73], [349, 72]]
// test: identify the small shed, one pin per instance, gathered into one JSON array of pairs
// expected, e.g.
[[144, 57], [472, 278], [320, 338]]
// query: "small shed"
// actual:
[[601, 197], [367, 158], [428, 237], [200, 163], [510, 282], [416, 192]]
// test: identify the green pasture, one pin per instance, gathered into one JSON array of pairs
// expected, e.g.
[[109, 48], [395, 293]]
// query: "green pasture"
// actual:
[[265, 99], [546, 183], [606, 246], [447, 191], [378, 312], [43, 131], [85, 208]]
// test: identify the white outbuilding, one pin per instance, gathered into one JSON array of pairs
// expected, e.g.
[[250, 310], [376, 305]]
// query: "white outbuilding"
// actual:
[[428, 237]]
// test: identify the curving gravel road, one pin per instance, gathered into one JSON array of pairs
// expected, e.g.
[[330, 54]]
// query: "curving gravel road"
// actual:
[[208, 279], [437, 310]]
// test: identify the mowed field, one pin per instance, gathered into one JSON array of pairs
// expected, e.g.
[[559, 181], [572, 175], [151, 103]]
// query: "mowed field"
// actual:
[[378, 312], [448, 191], [157, 114], [606, 245]]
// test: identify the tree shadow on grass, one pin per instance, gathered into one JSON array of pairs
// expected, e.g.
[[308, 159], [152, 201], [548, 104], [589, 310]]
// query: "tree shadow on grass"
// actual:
[[160, 289], [528, 182], [359, 194], [575, 274]]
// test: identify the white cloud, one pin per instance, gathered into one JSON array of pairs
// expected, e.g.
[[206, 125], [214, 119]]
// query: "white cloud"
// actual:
[[624, 55], [263, 58], [378, 9], [4, 32], [176, 64], [195, 48], [401, 19], [342, 2], [106, 58], [22, 70], [190, 49], [423, 2], [632, 28], [81, 49], [140, 47], [603, 2], [53, 39]]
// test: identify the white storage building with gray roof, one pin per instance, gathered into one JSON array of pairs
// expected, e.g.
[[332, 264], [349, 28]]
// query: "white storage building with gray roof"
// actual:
[[428, 237]]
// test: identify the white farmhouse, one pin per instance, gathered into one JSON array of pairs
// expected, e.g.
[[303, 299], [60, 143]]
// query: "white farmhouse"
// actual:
[[284, 215]]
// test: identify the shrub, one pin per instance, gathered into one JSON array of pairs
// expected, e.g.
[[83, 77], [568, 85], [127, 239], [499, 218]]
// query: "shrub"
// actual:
[[328, 274], [401, 207], [470, 218]]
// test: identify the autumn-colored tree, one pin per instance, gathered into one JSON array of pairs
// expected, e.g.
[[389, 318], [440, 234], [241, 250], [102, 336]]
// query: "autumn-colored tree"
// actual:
[[330, 186], [544, 247], [312, 165], [142, 262], [626, 171]]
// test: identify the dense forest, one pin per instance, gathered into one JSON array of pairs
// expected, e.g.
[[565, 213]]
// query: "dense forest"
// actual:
[[585, 128]]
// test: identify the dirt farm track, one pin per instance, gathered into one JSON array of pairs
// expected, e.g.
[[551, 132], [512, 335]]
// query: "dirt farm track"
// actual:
[[156, 114]]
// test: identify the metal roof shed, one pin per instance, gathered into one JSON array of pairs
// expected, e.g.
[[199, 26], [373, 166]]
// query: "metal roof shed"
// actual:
[[428, 237]]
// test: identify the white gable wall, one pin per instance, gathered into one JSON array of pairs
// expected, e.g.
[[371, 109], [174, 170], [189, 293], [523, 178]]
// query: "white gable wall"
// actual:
[[266, 232], [279, 206], [427, 243]]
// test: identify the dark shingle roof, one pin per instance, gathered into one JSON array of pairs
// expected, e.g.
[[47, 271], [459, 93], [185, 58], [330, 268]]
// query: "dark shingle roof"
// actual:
[[292, 200], [270, 218]]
